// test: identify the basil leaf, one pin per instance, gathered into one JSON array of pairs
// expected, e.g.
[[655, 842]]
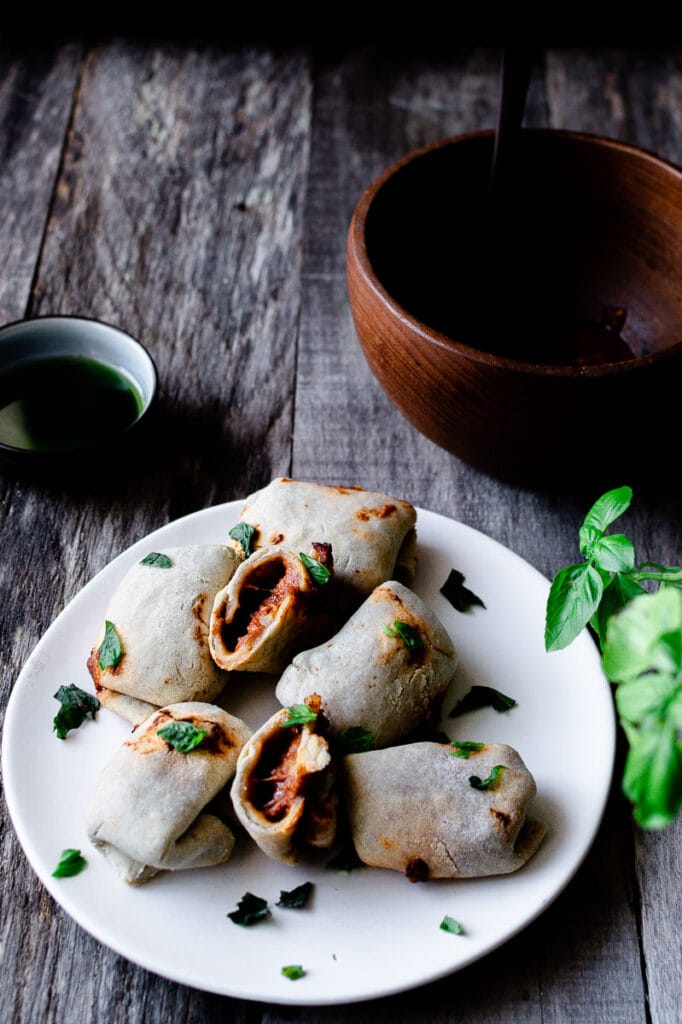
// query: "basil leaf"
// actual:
[[482, 697], [318, 573], [459, 596], [645, 697], [297, 898], [614, 553], [608, 508], [355, 740], [632, 643], [476, 783], [448, 924], [573, 599], [463, 748], [182, 736], [250, 909], [410, 635], [619, 592], [156, 559], [298, 714], [293, 972], [243, 534], [70, 863], [76, 706], [110, 650], [652, 780]]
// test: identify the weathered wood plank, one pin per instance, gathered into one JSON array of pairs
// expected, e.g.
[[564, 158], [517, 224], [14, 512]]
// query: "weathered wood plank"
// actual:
[[178, 217], [36, 96]]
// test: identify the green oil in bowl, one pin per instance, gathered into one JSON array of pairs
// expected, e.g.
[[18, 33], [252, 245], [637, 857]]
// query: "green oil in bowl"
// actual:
[[65, 404]]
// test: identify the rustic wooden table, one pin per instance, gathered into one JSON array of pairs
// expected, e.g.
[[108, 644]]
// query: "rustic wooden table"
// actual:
[[198, 196]]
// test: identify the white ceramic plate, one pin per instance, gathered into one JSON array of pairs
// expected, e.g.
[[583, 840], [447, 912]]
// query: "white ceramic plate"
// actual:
[[369, 932]]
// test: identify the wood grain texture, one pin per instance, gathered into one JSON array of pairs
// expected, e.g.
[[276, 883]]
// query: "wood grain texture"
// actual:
[[199, 197], [36, 96]]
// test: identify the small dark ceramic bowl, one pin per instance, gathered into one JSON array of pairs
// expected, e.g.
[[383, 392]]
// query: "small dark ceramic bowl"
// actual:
[[27, 343], [538, 342]]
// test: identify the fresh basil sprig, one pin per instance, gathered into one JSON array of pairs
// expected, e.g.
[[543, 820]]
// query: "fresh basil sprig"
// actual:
[[464, 748], [355, 739], [593, 590], [640, 635], [448, 924]]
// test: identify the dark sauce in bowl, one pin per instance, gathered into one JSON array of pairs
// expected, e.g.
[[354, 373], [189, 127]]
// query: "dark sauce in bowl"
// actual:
[[63, 404]]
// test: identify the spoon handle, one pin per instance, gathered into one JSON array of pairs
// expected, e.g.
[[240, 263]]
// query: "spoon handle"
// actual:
[[517, 63]]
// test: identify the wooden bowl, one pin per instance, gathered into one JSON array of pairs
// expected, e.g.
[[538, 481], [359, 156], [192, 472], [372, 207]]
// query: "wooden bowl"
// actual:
[[536, 344]]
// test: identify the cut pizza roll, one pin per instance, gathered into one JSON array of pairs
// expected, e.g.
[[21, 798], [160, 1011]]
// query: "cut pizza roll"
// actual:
[[147, 813], [284, 788], [272, 607], [372, 535]]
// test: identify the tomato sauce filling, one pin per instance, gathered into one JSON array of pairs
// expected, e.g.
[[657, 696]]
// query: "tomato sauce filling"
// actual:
[[276, 782], [261, 594]]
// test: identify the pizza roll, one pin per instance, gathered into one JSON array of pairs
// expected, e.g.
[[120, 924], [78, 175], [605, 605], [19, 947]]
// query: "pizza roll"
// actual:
[[283, 792], [271, 608], [372, 535], [147, 812], [413, 808], [159, 615], [390, 679]]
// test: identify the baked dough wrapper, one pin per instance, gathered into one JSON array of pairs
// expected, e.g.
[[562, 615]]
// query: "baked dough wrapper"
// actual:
[[147, 812], [372, 535], [284, 788], [162, 619], [368, 678], [411, 808]]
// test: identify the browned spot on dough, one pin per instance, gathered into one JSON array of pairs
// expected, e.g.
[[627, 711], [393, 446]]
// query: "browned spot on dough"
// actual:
[[501, 816], [276, 538], [388, 844], [345, 490], [93, 667], [383, 512], [417, 870], [198, 608]]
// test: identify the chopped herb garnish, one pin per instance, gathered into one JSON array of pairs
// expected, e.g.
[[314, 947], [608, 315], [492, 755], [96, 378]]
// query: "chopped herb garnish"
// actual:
[[250, 909], [110, 650], [77, 705], [318, 573], [355, 740], [182, 736], [298, 714], [156, 559], [459, 596], [70, 863], [483, 697], [345, 860], [293, 972], [448, 924], [410, 635], [463, 748], [243, 534], [297, 898], [490, 782]]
